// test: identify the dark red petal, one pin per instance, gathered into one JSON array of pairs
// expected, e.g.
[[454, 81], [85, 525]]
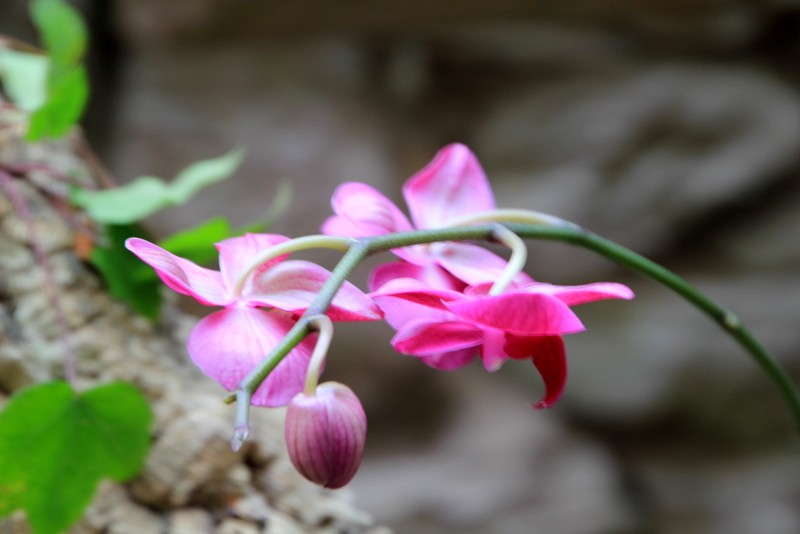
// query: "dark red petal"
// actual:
[[549, 357]]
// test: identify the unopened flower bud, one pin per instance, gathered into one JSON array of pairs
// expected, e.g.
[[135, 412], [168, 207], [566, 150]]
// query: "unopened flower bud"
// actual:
[[325, 434]]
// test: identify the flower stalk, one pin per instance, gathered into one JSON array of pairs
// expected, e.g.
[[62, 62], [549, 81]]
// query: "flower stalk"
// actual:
[[520, 224]]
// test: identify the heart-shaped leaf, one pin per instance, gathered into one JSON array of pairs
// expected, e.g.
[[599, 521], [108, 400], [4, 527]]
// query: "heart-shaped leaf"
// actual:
[[56, 445]]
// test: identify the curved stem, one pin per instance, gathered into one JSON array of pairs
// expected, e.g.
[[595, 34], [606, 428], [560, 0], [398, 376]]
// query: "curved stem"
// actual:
[[323, 325], [519, 255], [359, 249], [723, 317], [513, 216], [287, 247]]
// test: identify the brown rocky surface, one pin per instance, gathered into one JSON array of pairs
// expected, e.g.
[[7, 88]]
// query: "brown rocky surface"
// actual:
[[192, 482], [671, 127]]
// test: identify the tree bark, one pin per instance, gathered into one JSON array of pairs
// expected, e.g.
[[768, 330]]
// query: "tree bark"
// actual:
[[52, 303]]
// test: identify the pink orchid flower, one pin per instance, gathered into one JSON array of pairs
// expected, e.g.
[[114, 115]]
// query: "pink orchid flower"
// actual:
[[448, 329], [226, 345], [452, 186]]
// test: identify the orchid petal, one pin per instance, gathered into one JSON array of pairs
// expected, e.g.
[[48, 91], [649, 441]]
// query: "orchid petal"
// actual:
[[519, 313], [423, 336], [398, 312], [449, 361], [228, 344], [549, 357], [237, 254], [292, 285], [181, 275], [471, 263], [431, 275], [493, 349], [451, 186], [362, 211], [415, 291], [574, 295]]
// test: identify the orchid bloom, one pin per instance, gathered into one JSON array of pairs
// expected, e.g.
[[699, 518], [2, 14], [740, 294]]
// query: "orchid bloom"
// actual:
[[227, 344], [452, 186], [447, 329]]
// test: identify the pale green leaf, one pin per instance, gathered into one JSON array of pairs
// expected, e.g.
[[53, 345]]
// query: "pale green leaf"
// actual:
[[24, 78], [202, 174], [62, 31], [125, 204], [146, 195]]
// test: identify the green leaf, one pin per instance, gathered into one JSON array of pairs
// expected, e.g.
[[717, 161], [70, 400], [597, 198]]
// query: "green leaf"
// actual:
[[197, 243], [125, 204], [56, 445], [128, 278], [146, 195], [202, 174], [62, 31], [24, 78], [65, 104]]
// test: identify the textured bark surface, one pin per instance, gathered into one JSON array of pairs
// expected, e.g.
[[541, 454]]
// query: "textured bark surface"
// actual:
[[192, 482]]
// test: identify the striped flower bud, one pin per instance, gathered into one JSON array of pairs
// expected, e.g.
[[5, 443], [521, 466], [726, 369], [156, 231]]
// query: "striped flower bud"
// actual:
[[325, 434]]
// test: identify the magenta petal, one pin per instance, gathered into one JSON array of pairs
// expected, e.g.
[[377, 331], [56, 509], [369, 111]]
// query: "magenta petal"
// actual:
[[362, 211], [471, 263], [228, 344], [181, 275], [427, 337], [237, 254], [493, 351], [415, 291], [451, 186], [549, 357], [574, 295], [449, 361], [292, 285], [519, 313], [431, 275]]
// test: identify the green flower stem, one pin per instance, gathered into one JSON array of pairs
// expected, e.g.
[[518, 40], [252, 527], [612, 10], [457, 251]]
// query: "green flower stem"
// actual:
[[554, 229], [638, 263]]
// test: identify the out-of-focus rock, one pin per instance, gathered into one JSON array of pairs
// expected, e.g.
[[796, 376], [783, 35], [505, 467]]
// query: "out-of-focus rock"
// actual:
[[645, 158], [503, 465], [52, 305]]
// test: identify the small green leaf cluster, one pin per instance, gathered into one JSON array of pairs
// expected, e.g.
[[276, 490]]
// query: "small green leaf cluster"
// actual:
[[54, 88], [119, 210]]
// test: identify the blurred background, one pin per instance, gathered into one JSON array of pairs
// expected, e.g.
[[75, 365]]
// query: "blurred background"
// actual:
[[670, 126]]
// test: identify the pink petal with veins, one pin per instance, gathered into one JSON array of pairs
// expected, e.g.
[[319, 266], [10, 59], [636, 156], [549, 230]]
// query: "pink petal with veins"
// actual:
[[451, 186], [230, 343], [415, 291], [363, 211], [471, 263], [449, 361], [237, 254], [292, 285], [574, 295], [181, 275], [430, 274], [519, 313], [422, 337]]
